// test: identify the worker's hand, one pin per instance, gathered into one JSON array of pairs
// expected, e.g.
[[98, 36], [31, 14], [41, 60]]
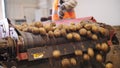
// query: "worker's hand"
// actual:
[[62, 7], [60, 13], [69, 4]]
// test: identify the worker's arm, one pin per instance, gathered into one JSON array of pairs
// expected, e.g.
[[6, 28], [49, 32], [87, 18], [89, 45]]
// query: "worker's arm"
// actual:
[[68, 4]]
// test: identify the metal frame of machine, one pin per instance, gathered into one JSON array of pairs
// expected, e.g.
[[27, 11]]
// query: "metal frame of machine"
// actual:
[[29, 49]]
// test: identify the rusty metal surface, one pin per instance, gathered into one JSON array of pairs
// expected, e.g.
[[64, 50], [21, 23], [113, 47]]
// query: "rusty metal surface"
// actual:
[[114, 54], [31, 41], [3, 43], [7, 45], [56, 63], [65, 49], [117, 28]]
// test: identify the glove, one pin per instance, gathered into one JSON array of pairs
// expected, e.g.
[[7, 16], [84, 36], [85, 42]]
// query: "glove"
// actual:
[[60, 13], [62, 7], [70, 4]]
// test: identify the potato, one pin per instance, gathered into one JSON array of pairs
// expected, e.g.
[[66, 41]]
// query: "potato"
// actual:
[[90, 52], [72, 23], [30, 28], [51, 34], [66, 27], [102, 30], [78, 26], [63, 32], [56, 53], [98, 46], [86, 57], [19, 27], [99, 58], [53, 24], [16, 26], [57, 33], [72, 28], [104, 47], [35, 30], [76, 36], [109, 65], [42, 31], [53, 28], [69, 36], [73, 61], [83, 31], [78, 52], [32, 24], [88, 26], [48, 27], [38, 24], [24, 24], [83, 23], [89, 34], [95, 28], [60, 26], [25, 30], [94, 37], [65, 62]]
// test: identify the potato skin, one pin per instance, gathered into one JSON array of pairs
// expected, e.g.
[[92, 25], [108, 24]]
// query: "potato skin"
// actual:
[[56, 53]]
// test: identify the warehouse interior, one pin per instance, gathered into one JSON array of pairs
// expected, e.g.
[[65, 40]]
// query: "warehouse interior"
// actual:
[[26, 39]]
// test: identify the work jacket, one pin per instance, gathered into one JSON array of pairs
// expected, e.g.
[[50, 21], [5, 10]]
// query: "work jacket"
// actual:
[[68, 14]]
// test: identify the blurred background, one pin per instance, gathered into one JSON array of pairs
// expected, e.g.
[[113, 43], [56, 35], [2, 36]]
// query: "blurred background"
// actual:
[[32, 10]]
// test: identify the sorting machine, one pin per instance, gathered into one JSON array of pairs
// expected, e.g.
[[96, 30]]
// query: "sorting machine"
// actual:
[[36, 50]]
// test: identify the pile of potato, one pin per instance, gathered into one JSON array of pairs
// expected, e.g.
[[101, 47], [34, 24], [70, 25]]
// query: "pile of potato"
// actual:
[[70, 31]]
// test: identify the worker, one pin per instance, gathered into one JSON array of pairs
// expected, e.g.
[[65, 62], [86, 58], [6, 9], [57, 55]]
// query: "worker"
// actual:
[[63, 9], [4, 28]]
